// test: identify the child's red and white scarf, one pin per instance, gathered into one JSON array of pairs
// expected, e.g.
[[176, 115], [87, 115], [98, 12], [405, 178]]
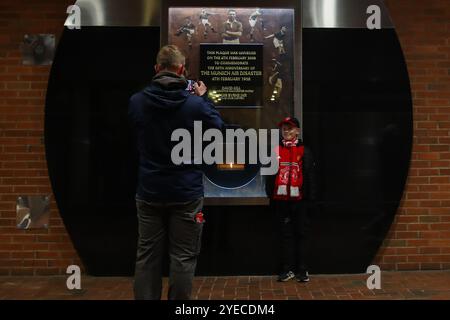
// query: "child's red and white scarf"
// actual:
[[289, 180]]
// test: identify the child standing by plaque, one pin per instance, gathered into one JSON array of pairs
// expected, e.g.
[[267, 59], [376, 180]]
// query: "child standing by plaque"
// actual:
[[293, 188]]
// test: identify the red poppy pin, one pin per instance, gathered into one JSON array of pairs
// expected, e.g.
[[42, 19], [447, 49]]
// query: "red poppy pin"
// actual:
[[199, 217]]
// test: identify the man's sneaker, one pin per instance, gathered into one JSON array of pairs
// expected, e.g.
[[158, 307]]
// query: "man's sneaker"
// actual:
[[302, 276], [286, 276]]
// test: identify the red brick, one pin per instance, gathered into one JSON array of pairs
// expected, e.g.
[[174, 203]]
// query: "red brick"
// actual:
[[430, 203], [61, 263], [407, 219], [394, 259], [440, 226], [35, 246], [408, 266], [441, 258], [68, 254], [11, 263], [5, 255], [396, 243], [429, 188], [430, 266], [18, 85], [407, 250], [440, 242], [417, 211], [47, 255], [22, 238], [418, 195], [406, 235], [429, 234], [418, 243], [429, 250], [427, 172], [23, 255], [49, 238], [440, 180], [419, 258], [418, 227], [429, 218], [6, 222], [440, 195], [439, 211], [22, 272], [61, 247]]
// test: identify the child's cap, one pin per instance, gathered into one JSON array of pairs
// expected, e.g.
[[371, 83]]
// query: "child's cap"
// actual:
[[290, 120]]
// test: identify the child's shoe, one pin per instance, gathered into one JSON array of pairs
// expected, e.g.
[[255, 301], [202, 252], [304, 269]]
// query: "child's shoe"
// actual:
[[286, 276], [302, 276]]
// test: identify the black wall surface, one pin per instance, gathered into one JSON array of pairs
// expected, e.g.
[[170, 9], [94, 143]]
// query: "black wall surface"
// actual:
[[357, 119]]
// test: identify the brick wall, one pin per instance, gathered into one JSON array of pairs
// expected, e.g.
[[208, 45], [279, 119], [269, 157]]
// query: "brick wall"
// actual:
[[419, 237], [23, 169]]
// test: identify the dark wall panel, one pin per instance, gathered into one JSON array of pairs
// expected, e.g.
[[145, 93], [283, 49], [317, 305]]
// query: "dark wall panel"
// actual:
[[357, 120]]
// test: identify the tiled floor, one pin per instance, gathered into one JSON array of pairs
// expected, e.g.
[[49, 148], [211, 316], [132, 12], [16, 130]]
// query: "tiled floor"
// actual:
[[394, 285]]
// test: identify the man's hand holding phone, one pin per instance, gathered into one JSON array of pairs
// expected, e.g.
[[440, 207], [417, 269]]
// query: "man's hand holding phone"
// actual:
[[200, 88]]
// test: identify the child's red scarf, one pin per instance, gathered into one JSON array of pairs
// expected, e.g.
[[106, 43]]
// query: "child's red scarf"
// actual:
[[289, 180]]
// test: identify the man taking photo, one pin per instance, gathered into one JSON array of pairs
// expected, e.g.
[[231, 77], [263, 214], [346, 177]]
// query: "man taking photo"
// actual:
[[169, 197]]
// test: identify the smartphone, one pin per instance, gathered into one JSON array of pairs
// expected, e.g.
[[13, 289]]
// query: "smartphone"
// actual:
[[190, 86]]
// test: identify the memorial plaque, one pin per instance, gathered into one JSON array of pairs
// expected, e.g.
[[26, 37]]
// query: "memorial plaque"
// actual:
[[234, 73], [245, 56]]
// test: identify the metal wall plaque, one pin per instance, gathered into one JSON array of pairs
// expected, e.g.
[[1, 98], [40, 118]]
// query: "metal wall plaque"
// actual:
[[33, 212], [38, 49]]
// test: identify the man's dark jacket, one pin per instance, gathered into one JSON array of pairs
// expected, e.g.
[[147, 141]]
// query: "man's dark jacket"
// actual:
[[155, 113]]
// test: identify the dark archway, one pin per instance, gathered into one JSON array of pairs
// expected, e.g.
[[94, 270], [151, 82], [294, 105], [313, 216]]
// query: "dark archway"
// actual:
[[357, 116]]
